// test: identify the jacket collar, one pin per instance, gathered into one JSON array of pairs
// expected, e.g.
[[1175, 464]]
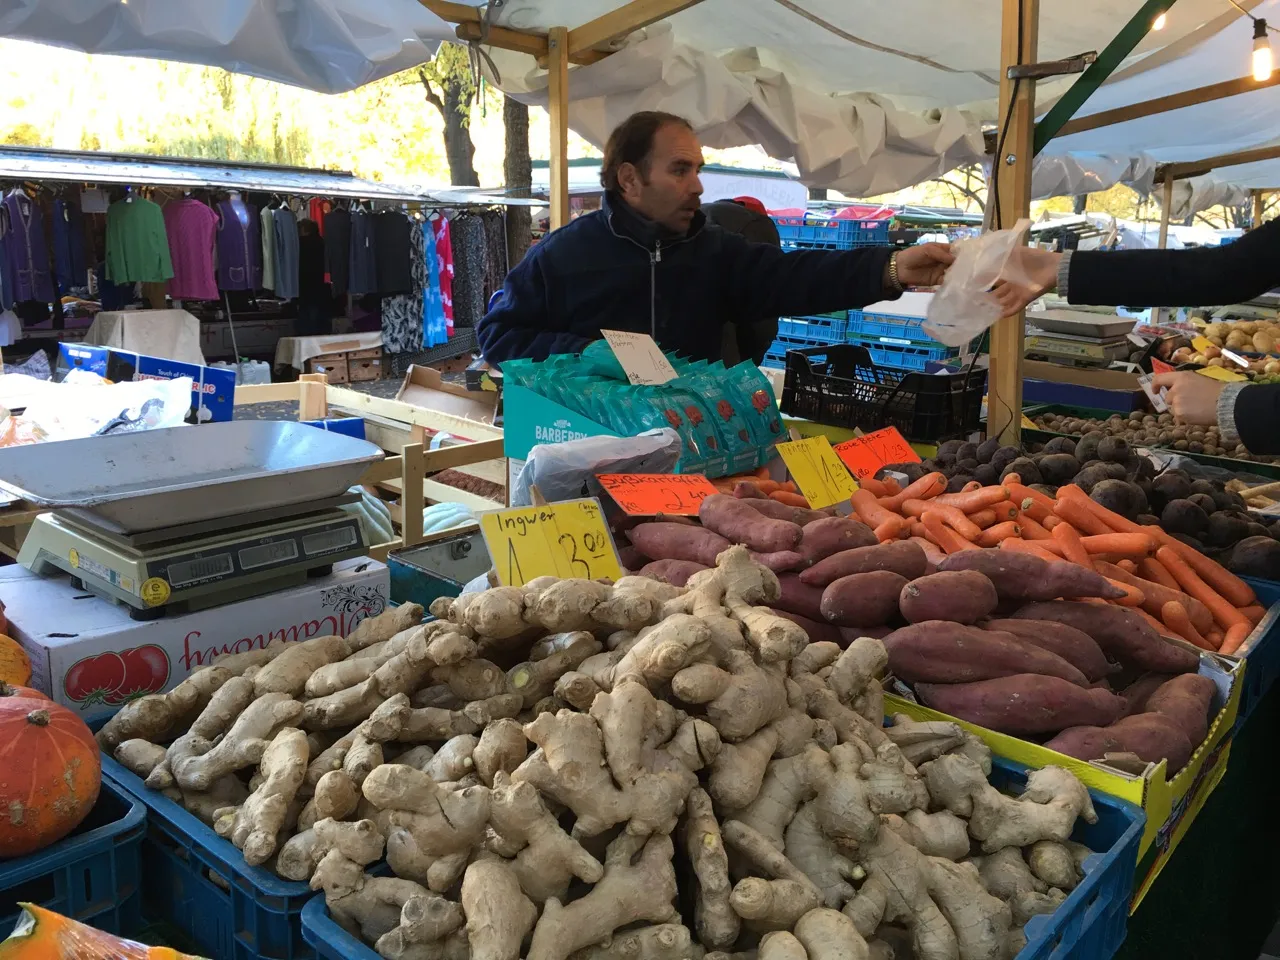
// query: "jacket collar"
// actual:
[[628, 223]]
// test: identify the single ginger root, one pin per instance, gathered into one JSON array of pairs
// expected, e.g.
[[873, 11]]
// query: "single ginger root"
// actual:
[[255, 826]]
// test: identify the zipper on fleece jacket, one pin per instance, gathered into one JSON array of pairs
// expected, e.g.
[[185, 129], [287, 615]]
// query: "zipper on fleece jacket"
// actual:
[[655, 258]]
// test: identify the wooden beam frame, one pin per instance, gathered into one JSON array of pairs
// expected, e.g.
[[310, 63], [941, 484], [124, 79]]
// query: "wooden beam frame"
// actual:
[[1174, 101], [1196, 168], [558, 108], [1013, 198], [616, 24]]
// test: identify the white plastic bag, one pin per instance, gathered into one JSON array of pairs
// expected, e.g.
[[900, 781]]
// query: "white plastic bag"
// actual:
[[564, 471], [963, 307]]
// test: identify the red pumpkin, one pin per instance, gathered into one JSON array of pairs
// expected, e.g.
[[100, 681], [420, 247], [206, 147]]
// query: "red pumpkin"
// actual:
[[50, 773], [26, 693]]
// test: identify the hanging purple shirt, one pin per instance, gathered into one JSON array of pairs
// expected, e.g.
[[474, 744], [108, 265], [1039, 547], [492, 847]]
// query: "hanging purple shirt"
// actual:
[[191, 227], [26, 250], [239, 248]]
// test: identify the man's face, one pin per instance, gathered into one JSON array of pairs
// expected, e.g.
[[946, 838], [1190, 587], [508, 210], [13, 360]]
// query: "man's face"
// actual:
[[669, 191]]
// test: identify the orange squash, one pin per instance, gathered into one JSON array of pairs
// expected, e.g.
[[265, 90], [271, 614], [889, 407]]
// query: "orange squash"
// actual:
[[15, 665], [50, 773], [41, 934], [26, 693]]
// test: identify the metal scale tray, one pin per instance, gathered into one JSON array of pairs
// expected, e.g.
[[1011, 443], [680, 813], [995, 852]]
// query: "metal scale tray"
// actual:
[[143, 481]]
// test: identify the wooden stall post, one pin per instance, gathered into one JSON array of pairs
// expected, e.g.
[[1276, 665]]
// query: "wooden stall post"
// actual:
[[1018, 44], [1166, 205], [558, 107], [1259, 197]]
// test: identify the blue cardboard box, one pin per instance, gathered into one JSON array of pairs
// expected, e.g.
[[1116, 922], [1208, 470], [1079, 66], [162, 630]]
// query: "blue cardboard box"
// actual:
[[213, 390]]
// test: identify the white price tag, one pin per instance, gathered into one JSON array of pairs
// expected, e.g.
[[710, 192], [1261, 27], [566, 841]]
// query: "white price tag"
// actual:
[[1236, 359], [641, 358], [1157, 398]]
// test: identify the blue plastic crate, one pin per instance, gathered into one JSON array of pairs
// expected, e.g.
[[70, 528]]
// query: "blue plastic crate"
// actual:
[[1091, 923], [863, 324], [822, 329], [199, 883], [1262, 655], [825, 234], [92, 875], [330, 941], [904, 354]]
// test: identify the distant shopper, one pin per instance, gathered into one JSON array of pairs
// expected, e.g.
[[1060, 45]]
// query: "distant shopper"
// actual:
[[649, 262], [315, 298], [1201, 276]]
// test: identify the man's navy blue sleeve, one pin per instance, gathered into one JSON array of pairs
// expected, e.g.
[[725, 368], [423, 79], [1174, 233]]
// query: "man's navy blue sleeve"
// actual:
[[767, 281], [1257, 412], [518, 326]]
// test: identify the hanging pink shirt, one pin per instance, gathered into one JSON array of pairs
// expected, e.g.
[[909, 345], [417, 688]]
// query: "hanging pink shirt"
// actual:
[[444, 250], [192, 228]]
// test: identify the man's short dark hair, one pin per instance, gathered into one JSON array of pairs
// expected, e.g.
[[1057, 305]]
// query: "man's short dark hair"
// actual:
[[632, 142]]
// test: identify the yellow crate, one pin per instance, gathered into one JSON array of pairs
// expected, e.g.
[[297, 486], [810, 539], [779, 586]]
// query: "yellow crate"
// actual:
[[1170, 805]]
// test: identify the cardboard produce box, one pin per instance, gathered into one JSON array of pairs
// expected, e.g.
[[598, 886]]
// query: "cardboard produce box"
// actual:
[[1171, 804], [90, 655]]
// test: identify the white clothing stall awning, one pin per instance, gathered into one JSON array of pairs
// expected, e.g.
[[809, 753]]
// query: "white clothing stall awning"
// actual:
[[867, 97], [326, 45]]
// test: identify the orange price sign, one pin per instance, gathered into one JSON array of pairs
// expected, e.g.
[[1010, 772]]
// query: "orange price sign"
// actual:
[[648, 494], [866, 454], [1159, 366]]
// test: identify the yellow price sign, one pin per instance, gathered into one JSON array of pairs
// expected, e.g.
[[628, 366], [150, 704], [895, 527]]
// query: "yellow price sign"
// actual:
[[822, 477], [565, 540], [1028, 423], [1201, 343], [1221, 373]]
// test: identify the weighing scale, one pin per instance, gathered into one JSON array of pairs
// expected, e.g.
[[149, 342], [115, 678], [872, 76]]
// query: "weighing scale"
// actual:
[[1085, 351], [169, 533]]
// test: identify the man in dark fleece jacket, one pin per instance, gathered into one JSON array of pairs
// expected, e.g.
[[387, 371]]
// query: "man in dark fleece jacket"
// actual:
[[648, 262], [1204, 276]]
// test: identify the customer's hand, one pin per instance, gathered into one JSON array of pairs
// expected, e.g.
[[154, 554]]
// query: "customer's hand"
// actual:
[[924, 265], [1191, 397], [1029, 274]]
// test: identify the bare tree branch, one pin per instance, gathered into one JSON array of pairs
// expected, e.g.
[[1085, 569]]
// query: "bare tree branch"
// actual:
[[433, 98]]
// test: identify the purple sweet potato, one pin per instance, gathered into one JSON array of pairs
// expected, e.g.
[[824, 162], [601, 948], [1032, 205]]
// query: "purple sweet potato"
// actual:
[[674, 572], [817, 630], [863, 599], [1149, 736], [963, 596], [798, 597], [832, 535], [779, 562], [1023, 704], [675, 541], [1186, 701], [939, 651], [1123, 635], [1139, 692], [850, 634], [781, 511], [1022, 576], [1072, 645], [736, 521], [902, 557]]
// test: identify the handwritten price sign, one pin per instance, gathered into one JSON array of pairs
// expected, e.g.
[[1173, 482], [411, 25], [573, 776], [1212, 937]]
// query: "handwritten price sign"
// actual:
[[641, 358], [866, 454], [822, 478], [648, 494], [564, 540]]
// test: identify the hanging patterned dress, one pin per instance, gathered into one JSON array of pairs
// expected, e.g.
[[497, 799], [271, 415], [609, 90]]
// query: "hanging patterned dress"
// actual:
[[402, 314]]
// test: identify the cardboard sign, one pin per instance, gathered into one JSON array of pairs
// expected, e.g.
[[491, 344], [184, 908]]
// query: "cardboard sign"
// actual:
[[866, 454], [1155, 396], [564, 540], [1221, 373], [822, 477], [648, 494], [1028, 423], [1201, 344], [642, 359], [1159, 366]]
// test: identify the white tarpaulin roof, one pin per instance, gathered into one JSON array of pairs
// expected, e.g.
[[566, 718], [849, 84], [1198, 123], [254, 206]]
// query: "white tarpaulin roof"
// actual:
[[326, 45], [883, 96]]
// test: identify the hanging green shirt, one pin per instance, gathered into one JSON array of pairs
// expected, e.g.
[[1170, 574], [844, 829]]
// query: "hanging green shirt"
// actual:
[[137, 245]]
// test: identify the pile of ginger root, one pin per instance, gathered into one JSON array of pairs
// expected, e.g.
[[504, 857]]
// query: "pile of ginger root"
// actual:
[[576, 770]]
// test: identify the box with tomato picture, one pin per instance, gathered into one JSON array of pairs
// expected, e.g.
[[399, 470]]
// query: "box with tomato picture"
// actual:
[[89, 655]]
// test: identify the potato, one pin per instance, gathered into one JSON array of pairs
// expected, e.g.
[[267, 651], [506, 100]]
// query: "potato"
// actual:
[[831, 535], [863, 599], [738, 522], [1020, 576], [677, 541], [961, 596], [1150, 736], [799, 597], [939, 651], [1023, 704], [780, 511], [674, 572], [1123, 635], [818, 632], [1264, 343], [901, 556], [1139, 692], [1186, 700], [1072, 645]]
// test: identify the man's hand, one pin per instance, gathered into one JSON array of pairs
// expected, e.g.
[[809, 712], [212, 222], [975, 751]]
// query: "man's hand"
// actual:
[[923, 265], [1191, 397], [1028, 275]]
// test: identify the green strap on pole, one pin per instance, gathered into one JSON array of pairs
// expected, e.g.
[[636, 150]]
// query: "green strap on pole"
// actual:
[[1097, 72]]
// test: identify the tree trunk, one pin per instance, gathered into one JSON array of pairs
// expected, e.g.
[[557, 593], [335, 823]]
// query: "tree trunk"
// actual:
[[517, 170], [457, 136]]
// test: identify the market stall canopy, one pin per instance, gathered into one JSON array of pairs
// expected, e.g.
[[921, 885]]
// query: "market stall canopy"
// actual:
[[326, 45], [866, 97]]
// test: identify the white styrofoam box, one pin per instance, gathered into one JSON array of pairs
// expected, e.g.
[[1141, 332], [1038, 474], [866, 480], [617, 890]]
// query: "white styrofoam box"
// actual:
[[90, 655]]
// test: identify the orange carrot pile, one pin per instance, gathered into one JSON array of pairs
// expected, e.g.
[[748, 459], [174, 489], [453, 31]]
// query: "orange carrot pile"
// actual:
[[1180, 590]]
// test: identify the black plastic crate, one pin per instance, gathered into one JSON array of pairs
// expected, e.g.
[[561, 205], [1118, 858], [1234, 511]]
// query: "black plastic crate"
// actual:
[[841, 385]]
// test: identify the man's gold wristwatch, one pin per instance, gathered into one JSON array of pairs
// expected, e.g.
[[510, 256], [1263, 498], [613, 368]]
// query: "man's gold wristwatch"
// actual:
[[894, 282]]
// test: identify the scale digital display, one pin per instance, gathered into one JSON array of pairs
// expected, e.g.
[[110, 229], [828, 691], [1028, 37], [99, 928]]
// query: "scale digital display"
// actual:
[[185, 572], [326, 541], [268, 553]]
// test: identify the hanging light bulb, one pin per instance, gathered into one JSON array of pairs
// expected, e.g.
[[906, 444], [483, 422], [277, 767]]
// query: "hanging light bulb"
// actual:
[[1262, 65], [1159, 22]]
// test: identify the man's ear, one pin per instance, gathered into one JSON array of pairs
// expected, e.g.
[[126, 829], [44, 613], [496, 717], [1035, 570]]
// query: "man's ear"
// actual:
[[628, 178]]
